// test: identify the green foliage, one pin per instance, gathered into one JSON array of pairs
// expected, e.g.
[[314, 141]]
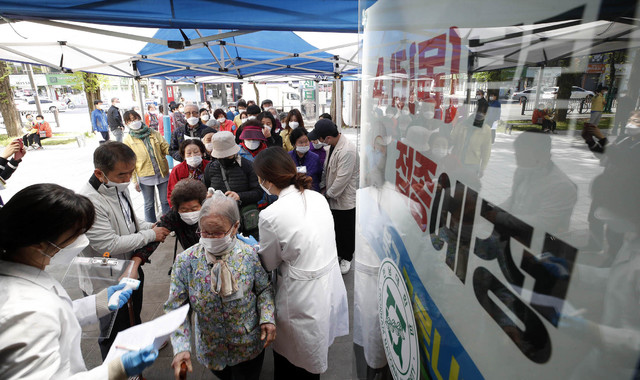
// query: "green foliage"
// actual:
[[88, 81]]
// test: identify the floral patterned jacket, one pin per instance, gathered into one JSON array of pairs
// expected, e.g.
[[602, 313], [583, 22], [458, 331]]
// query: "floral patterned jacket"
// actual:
[[227, 329]]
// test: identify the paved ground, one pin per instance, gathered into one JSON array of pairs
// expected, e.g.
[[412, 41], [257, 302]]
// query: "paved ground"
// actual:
[[71, 166]]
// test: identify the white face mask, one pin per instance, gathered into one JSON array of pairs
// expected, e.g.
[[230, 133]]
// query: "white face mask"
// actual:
[[318, 145], [135, 125], [221, 120], [302, 149], [218, 245], [252, 144], [209, 146], [66, 255], [293, 124], [120, 186], [204, 118], [194, 161], [181, 109], [632, 129], [478, 97], [264, 188], [192, 120], [190, 218], [251, 117]]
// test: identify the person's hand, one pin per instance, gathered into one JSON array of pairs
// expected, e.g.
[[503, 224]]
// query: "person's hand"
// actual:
[[122, 298], [10, 149], [233, 195], [94, 131], [138, 187], [249, 240], [136, 361], [161, 233], [266, 131], [181, 357], [268, 333]]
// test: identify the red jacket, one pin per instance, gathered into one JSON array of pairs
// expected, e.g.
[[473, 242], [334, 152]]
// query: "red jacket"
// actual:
[[229, 126], [182, 171], [44, 127]]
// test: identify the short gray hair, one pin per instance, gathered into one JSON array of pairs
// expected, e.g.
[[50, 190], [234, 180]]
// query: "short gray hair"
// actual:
[[220, 204]]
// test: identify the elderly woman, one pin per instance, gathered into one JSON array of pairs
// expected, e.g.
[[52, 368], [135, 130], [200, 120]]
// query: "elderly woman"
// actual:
[[298, 239], [253, 140], [230, 296], [234, 175], [186, 201]]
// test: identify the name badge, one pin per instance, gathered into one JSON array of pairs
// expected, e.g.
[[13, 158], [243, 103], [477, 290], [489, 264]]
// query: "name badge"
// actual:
[[302, 169]]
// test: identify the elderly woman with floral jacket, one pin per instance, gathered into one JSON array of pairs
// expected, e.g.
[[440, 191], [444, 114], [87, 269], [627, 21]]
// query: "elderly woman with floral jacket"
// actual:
[[230, 295]]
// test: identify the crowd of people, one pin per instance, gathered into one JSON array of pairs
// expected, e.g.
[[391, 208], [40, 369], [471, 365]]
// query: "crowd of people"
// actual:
[[263, 209]]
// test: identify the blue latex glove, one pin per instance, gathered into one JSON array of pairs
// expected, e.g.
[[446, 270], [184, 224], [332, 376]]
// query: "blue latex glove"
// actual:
[[249, 240], [136, 361], [122, 299]]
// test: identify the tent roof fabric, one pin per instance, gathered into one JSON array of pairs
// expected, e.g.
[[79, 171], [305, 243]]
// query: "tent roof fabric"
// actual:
[[239, 56], [317, 15]]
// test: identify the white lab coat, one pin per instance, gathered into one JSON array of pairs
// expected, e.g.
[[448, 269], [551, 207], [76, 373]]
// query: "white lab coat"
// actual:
[[297, 238], [40, 328]]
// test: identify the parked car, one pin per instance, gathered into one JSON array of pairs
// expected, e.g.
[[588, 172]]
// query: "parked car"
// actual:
[[527, 94], [576, 93], [46, 104]]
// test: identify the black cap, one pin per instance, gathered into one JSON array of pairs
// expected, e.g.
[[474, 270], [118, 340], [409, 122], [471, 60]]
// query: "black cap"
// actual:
[[266, 101], [253, 110], [322, 129], [208, 130]]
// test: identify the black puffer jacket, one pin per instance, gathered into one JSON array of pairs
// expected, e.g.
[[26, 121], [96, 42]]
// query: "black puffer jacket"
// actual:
[[242, 180]]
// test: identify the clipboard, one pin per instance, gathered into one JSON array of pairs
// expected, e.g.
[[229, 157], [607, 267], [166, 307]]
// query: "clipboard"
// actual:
[[90, 275]]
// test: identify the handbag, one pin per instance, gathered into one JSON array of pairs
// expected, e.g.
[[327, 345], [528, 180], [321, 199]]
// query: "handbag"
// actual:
[[249, 214]]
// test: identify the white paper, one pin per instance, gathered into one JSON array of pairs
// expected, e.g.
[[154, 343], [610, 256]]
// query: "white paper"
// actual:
[[154, 332]]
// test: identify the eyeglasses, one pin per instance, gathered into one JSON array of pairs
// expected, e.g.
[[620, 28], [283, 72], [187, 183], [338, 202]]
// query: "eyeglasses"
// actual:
[[207, 235]]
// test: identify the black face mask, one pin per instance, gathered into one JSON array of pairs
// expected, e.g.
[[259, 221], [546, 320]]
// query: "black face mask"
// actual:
[[227, 162]]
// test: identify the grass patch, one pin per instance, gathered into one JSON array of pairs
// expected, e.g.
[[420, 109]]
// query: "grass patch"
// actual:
[[521, 125]]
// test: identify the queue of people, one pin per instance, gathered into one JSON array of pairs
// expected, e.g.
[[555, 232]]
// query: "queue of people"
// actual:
[[231, 205]]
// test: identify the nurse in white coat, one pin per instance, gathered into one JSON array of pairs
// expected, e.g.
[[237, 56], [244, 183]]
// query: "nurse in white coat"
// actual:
[[39, 324], [297, 239]]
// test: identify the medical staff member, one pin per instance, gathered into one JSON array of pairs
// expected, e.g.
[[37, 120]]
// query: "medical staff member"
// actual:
[[299, 241], [39, 324]]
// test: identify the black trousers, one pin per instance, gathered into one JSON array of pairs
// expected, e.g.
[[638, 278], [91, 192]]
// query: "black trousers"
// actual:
[[32, 138], [283, 369], [249, 370], [123, 321], [105, 135], [344, 223]]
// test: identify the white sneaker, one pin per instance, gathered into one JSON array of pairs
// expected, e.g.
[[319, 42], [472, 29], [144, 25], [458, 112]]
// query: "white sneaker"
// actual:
[[345, 266]]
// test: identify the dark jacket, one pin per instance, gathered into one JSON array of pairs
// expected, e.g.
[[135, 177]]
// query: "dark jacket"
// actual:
[[177, 137], [185, 233], [481, 112], [242, 180], [114, 119], [313, 165], [7, 167]]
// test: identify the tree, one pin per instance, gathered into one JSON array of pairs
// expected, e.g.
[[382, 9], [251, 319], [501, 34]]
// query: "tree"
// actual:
[[569, 77], [7, 105], [255, 88], [91, 84]]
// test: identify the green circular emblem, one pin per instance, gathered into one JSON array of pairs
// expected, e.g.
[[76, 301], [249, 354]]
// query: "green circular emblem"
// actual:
[[397, 323]]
